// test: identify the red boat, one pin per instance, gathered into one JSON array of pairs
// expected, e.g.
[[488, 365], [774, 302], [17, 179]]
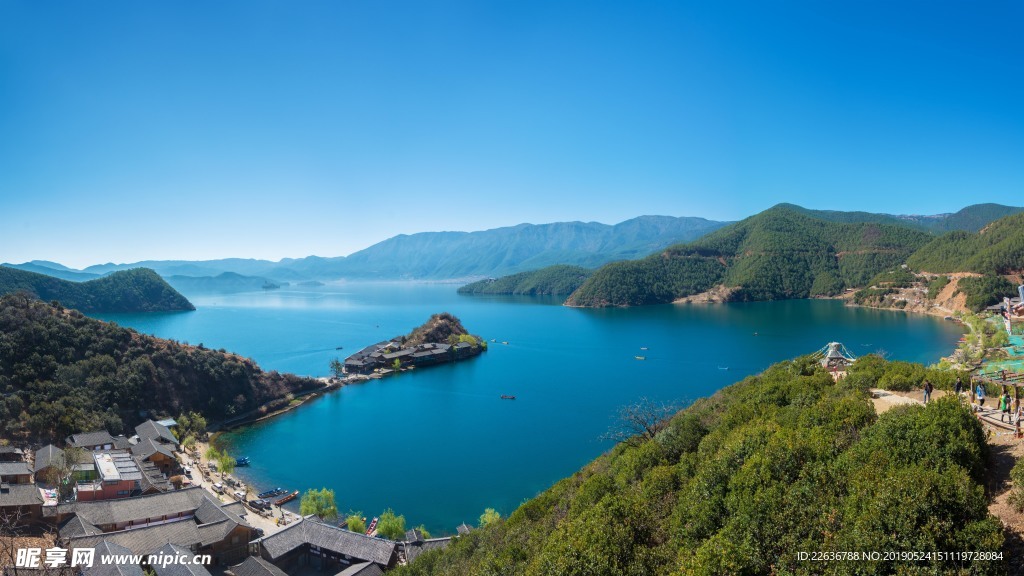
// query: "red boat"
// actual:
[[372, 527], [287, 498]]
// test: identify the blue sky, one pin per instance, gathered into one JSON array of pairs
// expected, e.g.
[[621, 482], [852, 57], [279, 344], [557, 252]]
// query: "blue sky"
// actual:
[[270, 129]]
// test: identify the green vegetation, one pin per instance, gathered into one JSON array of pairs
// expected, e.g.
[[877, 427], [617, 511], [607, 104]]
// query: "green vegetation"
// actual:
[[319, 503], [136, 290], [391, 526], [440, 329], [61, 373], [553, 280], [490, 516], [998, 249], [936, 286], [985, 290], [970, 219], [781, 462], [777, 254], [355, 522]]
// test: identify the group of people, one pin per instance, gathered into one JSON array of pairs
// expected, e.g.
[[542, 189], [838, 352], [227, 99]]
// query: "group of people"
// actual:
[[1010, 408]]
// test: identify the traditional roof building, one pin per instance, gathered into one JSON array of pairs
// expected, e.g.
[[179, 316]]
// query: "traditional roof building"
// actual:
[[45, 457], [15, 473], [175, 569], [362, 569], [189, 518], [255, 566], [20, 499], [156, 431], [11, 454], [111, 550], [98, 440], [312, 542], [159, 453]]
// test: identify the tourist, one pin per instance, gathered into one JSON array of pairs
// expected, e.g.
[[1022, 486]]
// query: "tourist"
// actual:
[[1004, 405], [959, 386], [1016, 421], [928, 390], [980, 393]]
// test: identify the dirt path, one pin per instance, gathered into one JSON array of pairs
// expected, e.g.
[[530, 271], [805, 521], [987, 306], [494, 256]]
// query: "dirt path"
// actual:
[[1004, 450]]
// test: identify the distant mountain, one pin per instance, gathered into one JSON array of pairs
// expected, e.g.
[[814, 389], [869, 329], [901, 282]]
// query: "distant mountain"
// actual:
[[777, 254], [137, 290], [553, 280], [996, 249], [226, 282], [72, 373], [970, 219], [519, 248], [53, 269], [445, 255]]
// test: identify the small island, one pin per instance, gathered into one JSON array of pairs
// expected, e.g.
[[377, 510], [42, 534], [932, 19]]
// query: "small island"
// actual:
[[440, 340]]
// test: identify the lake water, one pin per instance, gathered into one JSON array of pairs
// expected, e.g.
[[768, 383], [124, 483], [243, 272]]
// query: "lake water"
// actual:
[[438, 445]]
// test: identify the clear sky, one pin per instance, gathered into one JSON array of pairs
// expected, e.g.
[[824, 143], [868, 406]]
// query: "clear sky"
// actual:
[[269, 129]]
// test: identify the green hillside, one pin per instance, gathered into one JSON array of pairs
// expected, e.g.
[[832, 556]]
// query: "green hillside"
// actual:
[[62, 372], [782, 462], [777, 254], [969, 219], [553, 280], [997, 249], [136, 290]]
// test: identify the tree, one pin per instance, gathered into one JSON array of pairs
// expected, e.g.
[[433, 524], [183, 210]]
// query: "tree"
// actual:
[[356, 522], [61, 472], [320, 503], [397, 364], [391, 526], [225, 463], [644, 419], [490, 516], [337, 368], [423, 530]]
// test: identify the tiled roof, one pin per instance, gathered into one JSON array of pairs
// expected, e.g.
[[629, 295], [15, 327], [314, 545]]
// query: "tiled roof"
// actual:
[[76, 526], [154, 431], [19, 495], [121, 510], [147, 447], [104, 548], [145, 540], [10, 450], [256, 566], [90, 439], [310, 531], [414, 549], [178, 569], [46, 455], [362, 569], [463, 529], [14, 469], [235, 508]]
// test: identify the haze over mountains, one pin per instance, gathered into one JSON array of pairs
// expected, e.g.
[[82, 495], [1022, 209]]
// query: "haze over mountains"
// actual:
[[491, 253]]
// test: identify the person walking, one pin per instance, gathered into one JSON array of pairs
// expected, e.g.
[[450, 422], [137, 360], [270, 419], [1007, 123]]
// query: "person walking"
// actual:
[[928, 390], [980, 393], [1004, 405], [959, 386]]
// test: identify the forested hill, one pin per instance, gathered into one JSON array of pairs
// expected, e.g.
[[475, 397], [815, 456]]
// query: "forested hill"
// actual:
[[782, 462], [997, 249], [62, 372], [777, 254], [553, 280], [969, 219], [135, 290]]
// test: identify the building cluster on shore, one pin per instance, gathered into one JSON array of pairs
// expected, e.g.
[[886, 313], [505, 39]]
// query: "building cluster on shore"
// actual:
[[384, 355], [131, 496]]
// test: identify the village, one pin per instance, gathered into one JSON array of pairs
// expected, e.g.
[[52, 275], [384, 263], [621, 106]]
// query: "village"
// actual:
[[142, 498]]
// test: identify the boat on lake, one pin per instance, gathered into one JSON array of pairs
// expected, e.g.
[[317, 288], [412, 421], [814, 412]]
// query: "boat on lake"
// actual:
[[243, 461], [271, 493], [287, 498], [641, 357], [507, 397], [372, 527]]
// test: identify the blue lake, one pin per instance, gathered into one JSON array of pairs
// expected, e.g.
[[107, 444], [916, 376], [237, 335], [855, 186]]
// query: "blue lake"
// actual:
[[438, 445]]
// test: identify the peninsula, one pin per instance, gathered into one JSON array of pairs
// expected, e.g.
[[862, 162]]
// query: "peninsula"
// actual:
[[439, 340]]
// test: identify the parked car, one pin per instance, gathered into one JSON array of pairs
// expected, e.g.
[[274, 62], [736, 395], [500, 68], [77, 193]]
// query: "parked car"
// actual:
[[218, 488], [239, 495]]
